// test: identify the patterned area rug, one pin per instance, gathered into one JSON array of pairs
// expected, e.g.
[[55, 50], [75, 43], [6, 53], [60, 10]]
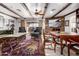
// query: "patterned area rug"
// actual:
[[27, 47]]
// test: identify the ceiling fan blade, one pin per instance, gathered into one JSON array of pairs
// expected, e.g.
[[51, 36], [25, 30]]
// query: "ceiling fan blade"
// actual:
[[40, 11], [40, 14]]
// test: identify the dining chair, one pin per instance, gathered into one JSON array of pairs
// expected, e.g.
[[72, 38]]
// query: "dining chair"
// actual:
[[50, 39]]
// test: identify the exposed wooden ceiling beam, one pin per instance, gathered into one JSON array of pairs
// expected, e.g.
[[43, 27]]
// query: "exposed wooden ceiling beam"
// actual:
[[8, 15], [45, 9], [10, 10], [62, 9], [54, 17], [25, 7], [70, 13], [63, 15]]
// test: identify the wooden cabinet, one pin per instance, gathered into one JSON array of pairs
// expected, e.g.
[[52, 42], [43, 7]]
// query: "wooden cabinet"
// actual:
[[22, 23]]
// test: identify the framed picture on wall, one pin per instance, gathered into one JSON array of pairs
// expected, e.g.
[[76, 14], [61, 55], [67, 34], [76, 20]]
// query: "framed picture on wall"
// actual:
[[66, 22]]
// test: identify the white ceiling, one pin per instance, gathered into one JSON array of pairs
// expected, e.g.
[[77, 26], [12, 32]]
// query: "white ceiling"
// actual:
[[21, 10], [33, 6], [71, 8], [7, 11], [18, 8], [53, 8]]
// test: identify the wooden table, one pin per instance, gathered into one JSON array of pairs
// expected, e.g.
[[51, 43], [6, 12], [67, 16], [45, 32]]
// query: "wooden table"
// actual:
[[72, 38], [67, 37]]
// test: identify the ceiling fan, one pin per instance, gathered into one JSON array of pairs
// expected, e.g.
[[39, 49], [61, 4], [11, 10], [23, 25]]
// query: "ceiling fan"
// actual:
[[38, 12]]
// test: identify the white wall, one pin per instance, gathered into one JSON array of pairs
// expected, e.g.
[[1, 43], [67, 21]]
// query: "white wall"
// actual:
[[72, 22], [7, 20], [17, 25]]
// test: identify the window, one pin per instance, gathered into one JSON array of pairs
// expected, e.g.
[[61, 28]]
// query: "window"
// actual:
[[54, 23], [1, 21], [33, 25]]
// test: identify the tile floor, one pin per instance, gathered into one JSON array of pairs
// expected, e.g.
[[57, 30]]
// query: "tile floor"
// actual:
[[50, 52]]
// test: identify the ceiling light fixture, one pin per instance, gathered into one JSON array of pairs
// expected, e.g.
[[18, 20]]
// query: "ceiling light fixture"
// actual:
[[52, 10], [18, 10]]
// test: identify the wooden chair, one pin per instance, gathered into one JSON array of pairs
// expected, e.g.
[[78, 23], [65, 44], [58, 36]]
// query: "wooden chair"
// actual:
[[56, 41], [51, 42]]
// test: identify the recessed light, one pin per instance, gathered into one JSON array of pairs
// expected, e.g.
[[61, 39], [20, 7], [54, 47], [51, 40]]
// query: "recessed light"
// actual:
[[52, 10]]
